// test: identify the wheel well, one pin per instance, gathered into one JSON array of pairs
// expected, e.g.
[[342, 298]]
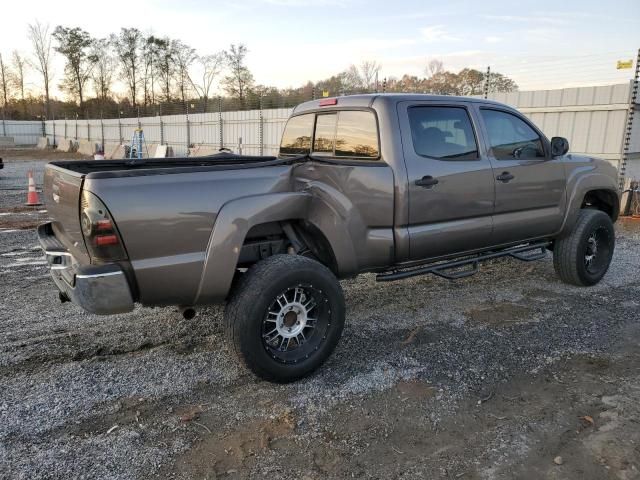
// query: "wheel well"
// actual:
[[272, 238], [604, 200]]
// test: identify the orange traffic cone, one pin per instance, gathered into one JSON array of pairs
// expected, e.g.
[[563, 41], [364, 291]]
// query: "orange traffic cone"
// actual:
[[32, 195]]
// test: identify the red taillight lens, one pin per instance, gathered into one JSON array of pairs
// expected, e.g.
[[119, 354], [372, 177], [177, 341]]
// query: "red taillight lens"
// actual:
[[100, 233], [101, 240]]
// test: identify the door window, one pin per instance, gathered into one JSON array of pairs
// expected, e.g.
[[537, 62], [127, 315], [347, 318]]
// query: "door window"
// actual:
[[511, 137], [444, 133]]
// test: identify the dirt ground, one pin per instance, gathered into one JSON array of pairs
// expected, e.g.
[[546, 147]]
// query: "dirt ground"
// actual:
[[509, 374]]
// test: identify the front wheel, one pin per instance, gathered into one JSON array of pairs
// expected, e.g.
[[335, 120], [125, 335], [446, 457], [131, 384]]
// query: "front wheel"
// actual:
[[285, 317], [583, 257]]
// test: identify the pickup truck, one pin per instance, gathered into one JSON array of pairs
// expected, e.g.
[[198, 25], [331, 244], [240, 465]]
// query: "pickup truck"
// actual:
[[395, 184]]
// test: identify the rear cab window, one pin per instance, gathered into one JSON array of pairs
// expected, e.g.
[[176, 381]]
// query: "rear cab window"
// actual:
[[343, 134], [296, 138]]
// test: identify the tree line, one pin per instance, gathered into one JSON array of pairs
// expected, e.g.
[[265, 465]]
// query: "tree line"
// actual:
[[164, 75]]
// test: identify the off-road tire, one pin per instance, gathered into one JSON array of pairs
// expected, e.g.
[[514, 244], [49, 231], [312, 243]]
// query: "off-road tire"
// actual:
[[253, 299], [570, 253]]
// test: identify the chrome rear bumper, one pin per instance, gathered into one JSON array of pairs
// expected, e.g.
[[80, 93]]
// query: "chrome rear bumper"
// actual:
[[100, 289]]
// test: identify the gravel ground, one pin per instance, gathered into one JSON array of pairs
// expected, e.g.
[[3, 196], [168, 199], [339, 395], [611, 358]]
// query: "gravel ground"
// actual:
[[507, 374]]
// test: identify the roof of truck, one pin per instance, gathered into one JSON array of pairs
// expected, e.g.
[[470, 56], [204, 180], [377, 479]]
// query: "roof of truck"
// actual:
[[367, 99]]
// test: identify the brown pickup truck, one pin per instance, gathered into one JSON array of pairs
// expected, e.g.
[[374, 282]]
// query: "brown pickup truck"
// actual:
[[399, 185]]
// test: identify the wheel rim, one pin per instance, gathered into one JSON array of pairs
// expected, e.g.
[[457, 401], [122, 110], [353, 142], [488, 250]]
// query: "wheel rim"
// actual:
[[296, 323], [597, 251]]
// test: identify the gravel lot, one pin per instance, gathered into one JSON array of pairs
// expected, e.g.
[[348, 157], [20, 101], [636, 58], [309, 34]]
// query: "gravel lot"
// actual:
[[507, 374]]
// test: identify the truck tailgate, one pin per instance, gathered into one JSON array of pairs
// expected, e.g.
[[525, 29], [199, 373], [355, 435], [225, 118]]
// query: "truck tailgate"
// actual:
[[62, 197]]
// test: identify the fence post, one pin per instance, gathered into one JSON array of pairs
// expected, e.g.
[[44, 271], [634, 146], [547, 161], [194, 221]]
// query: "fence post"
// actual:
[[188, 129], [220, 121], [384, 84], [119, 127], [261, 129], [53, 143], [88, 131], [102, 133], [4, 124], [65, 127], [487, 79], [626, 142], [161, 126], [76, 137], [44, 126]]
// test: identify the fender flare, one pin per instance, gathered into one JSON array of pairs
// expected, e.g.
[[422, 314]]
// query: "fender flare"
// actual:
[[234, 220], [584, 184]]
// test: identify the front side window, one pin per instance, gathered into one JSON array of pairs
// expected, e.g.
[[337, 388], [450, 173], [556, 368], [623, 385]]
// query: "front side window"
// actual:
[[296, 138], [511, 137], [444, 133]]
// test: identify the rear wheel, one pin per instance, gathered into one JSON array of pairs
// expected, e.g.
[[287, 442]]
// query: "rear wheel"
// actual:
[[583, 257], [285, 317]]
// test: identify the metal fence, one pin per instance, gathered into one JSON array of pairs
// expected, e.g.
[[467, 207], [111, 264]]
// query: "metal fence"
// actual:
[[253, 132], [22, 132], [592, 118]]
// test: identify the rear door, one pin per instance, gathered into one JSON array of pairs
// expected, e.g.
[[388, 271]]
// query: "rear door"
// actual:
[[529, 183], [450, 180]]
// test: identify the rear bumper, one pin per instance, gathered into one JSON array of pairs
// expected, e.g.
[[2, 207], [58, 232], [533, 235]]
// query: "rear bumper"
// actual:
[[100, 289]]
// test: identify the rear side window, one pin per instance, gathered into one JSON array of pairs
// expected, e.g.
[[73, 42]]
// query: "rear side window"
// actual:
[[511, 137], [357, 135], [444, 133], [296, 138]]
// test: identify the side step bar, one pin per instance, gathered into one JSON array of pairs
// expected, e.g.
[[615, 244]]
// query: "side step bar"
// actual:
[[440, 268]]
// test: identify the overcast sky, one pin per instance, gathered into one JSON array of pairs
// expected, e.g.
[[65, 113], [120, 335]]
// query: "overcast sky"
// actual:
[[540, 43]]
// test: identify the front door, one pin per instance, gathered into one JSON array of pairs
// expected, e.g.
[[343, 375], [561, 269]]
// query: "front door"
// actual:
[[529, 183], [450, 188]]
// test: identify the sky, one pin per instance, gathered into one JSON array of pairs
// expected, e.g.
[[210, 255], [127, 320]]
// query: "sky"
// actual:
[[541, 44]]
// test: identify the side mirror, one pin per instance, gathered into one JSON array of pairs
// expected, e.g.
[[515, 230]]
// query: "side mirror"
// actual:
[[559, 146]]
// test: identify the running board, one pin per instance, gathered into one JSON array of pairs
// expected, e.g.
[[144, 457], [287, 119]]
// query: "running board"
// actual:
[[440, 269]]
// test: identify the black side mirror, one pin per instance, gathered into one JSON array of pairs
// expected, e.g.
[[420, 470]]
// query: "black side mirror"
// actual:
[[559, 146]]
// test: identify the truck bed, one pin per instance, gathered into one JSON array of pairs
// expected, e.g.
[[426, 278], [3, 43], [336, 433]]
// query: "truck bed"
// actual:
[[135, 167]]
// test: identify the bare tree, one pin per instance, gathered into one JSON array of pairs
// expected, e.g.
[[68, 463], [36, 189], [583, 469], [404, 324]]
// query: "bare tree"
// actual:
[[165, 66], [362, 77], [102, 74], [41, 43], [369, 70], [127, 45], [434, 67], [4, 84], [209, 67], [184, 56], [150, 53], [19, 65], [75, 46], [240, 79]]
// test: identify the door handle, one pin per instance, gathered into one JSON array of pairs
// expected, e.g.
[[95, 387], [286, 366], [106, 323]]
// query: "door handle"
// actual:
[[427, 181], [505, 177]]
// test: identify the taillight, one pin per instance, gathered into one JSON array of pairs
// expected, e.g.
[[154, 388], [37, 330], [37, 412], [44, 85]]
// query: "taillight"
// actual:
[[100, 234]]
